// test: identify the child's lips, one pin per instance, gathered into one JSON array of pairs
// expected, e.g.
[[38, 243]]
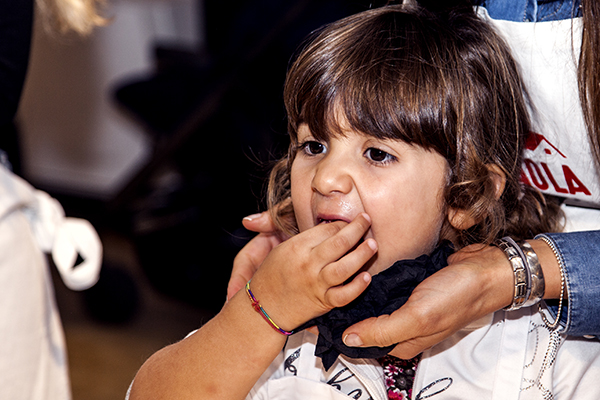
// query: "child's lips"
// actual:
[[326, 219], [329, 218]]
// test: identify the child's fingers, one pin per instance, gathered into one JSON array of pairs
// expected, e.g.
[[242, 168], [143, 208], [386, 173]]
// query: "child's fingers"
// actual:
[[334, 247], [339, 296], [337, 273]]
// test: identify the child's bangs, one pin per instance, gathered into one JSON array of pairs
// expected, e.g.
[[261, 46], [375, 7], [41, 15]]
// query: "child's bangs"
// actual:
[[379, 79], [399, 112]]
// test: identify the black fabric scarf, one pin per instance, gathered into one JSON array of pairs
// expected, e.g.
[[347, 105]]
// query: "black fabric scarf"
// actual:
[[388, 291]]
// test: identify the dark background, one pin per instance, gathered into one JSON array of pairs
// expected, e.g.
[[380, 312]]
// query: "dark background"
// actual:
[[217, 121]]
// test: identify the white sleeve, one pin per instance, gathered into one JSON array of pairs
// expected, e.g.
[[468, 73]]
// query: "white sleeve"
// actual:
[[274, 371]]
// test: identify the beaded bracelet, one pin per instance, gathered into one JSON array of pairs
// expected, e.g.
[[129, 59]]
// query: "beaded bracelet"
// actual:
[[258, 308], [561, 265]]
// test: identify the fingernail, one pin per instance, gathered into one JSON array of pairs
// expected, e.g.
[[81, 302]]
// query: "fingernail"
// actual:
[[352, 340], [253, 216], [372, 244]]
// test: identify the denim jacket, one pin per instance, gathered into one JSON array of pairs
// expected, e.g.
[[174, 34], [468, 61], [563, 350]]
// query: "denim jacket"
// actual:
[[580, 252], [531, 10]]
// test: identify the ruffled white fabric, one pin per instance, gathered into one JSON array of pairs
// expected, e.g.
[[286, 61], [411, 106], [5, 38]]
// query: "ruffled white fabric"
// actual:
[[33, 360], [54, 233]]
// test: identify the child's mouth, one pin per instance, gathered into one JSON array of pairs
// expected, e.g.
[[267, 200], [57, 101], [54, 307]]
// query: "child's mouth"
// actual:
[[326, 221], [323, 220]]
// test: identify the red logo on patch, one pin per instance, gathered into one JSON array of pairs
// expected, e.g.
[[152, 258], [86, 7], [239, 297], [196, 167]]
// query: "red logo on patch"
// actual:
[[539, 174]]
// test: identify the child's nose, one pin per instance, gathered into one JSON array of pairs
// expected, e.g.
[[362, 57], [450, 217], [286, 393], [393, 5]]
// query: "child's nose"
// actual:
[[332, 177]]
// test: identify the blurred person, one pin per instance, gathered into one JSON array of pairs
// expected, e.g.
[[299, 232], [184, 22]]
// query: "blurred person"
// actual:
[[33, 361]]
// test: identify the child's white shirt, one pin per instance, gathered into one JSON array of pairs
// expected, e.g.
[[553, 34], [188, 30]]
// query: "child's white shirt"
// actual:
[[297, 374], [506, 355]]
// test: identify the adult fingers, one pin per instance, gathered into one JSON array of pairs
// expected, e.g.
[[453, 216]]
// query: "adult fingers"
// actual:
[[387, 330], [445, 302], [413, 347], [414, 327], [261, 223], [236, 282], [248, 260], [381, 331]]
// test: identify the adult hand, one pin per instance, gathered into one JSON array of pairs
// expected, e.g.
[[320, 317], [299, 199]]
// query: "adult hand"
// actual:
[[250, 257], [477, 281]]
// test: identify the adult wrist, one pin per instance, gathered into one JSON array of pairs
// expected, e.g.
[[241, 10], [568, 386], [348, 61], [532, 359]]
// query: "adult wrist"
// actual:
[[503, 278], [550, 268], [528, 277], [554, 324]]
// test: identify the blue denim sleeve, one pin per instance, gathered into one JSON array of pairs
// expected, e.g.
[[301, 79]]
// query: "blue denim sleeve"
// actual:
[[509, 10], [531, 10], [581, 256]]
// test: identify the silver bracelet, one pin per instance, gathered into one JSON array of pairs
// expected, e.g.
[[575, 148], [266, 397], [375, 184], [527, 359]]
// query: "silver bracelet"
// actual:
[[509, 247], [536, 275], [561, 265], [528, 275]]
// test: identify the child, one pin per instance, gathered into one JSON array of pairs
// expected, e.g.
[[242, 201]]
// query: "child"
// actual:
[[406, 131]]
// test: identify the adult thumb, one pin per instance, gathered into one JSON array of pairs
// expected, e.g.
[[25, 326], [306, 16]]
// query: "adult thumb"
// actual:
[[408, 332], [261, 223], [381, 331]]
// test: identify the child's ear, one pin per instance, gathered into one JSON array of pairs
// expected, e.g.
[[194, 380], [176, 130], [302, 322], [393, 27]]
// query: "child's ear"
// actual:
[[461, 219], [499, 178]]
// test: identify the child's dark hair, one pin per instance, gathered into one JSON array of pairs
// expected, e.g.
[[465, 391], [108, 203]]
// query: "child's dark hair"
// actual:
[[442, 81]]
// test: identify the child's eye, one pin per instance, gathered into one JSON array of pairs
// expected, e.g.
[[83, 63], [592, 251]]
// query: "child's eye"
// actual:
[[312, 147], [379, 156]]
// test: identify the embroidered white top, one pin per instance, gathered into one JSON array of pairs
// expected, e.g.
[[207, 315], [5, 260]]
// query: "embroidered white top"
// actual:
[[506, 355]]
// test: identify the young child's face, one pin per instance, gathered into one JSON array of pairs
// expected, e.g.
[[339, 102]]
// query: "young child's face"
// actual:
[[399, 185]]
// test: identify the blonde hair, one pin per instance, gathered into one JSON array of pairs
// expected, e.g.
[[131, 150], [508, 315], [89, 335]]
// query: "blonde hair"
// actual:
[[79, 16]]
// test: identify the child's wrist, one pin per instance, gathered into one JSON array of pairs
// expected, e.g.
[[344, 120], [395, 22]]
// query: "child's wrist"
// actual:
[[256, 305]]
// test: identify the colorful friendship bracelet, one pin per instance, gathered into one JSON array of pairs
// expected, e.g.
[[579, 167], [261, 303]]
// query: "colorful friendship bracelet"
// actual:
[[258, 308]]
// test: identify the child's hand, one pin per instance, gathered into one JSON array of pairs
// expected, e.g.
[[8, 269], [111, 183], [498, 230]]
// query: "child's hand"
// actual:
[[303, 277]]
